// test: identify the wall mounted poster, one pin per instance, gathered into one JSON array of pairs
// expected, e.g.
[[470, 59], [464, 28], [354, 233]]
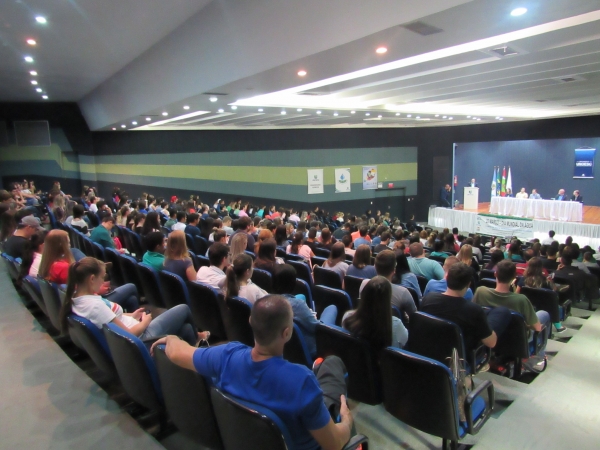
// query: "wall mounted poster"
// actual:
[[584, 162], [342, 180], [369, 177], [315, 181]]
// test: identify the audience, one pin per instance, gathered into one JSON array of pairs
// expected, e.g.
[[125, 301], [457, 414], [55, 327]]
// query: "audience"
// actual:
[[266, 258], [403, 276], [425, 267], [177, 257], [26, 228], [361, 264], [155, 243], [297, 247], [214, 275], [337, 260], [239, 283], [442, 285]]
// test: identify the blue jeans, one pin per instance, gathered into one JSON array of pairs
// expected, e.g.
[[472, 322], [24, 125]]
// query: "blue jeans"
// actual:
[[177, 320], [126, 296], [544, 319], [329, 315]]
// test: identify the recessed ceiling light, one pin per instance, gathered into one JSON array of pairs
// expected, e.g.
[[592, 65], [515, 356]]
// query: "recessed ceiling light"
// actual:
[[33, 73], [468, 117], [40, 19], [450, 118], [418, 117], [260, 110], [478, 120], [134, 123], [186, 107], [518, 12], [221, 110], [114, 129], [444, 117], [381, 50], [352, 112], [123, 126], [29, 59], [367, 114], [302, 73], [213, 99], [318, 112], [45, 97], [409, 115], [437, 115], [34, 82], [165, 113], [148, 119], [283, 113], [379, 116], [31, 42], [501, 118], [335, 114], [299, 109], [234, 107], [38, 89], [397, 114]]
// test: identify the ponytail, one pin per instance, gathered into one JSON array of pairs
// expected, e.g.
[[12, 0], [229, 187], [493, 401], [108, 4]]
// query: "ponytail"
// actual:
[[233, 288], [241, 263], [78, 273]]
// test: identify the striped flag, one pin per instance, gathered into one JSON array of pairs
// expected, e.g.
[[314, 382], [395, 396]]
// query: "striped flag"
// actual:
[[503, 188], [494, 182], [509, 182]]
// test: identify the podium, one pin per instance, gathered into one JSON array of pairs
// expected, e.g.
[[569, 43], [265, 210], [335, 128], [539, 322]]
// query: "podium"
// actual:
[[471, 198]]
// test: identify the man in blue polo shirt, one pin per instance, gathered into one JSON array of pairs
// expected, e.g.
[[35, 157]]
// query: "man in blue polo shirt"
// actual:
[[260, 375], [425, 267], [442, 285]]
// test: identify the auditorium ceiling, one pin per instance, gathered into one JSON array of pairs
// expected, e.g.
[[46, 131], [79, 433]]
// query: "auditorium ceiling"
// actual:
[[256, 64]]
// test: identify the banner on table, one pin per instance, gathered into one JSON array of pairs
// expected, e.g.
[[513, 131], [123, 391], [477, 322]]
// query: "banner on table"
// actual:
[[505, 226], [342, 180], [369, 177], [315, 181], [584, 162]]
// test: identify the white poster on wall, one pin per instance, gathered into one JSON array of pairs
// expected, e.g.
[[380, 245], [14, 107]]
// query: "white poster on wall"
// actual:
[[369, 177], [342, 180], [315, 181]]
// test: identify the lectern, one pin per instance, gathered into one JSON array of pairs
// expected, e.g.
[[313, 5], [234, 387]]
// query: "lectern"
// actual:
[[471, 198]]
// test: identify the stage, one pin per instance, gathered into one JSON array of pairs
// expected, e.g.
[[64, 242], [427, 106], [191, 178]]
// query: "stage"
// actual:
[[482, 222]]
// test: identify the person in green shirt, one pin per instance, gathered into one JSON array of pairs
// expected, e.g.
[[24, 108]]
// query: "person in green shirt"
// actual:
[[155, 242], [101, 234], [172, 219]]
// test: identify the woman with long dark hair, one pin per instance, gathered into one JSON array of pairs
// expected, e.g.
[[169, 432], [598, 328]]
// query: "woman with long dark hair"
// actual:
[[337, 260], [361, 263], [32, 254], [298, 247], [151, 224], [373, 320], [281, 236], [85, 280], [266, 259], [495, 257], [403, 276], [238, 279]]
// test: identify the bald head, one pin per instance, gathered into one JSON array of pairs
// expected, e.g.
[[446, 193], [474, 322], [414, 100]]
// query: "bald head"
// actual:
[[270, 316]]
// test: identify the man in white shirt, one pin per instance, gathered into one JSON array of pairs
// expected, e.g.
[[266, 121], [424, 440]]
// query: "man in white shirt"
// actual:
[[214, 275], [180, 225], [550, 239], [534, 195], [522, 194]]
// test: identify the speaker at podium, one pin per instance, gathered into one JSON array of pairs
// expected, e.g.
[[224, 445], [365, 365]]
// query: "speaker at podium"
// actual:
[[471, 198]]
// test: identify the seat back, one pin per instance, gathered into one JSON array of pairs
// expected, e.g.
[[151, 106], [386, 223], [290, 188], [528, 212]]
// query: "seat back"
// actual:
[[173, 288], [206, 304], [248, 425], [324, 296], [317, 261], [439, 259], [10, 266], [92, 340], [488, 282], [302, 287], [543, 300], [116, 271], [420, 392], [322, 252], [296, 350], [189, 242], [514, 341], [302, 270], [98, 251], [124, 237], [364, 378], [188, 402], [52, 301], [262, 279], [150, 284], [32, 287], [203, 261], [200, 245], [326, 277], [236, 315], [414, 296], [136, 243], [93, 218], [135, 367], [574, 291], [130, 273], [487, 274], [352, 287], [422, 282], [433, 337], [88, 246]]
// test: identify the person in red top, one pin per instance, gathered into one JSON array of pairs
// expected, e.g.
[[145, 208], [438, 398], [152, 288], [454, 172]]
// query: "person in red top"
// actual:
[[56, 257], [522, 267]]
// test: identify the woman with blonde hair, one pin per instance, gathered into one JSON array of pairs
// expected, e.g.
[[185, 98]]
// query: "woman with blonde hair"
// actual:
[[177, 257], [465, 255], [122, 216], [238, 244]]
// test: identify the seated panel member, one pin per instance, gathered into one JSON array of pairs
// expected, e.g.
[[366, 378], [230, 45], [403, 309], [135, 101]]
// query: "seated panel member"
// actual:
[[561, 196], [576, 197], [534, 195], [522, 194]]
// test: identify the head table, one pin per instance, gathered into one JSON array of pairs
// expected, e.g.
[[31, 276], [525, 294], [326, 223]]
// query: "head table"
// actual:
[[537, 209]]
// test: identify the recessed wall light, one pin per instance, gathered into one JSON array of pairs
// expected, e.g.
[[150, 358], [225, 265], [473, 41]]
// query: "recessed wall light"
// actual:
[[397, 114], [418, 117], [318, 112], [148, 119], [31, 42], [299, 109], [45, 97], [367, 114], [165, 113], [114, 129], [33, 73], [29, 59], [444, 117], [437, 115], [34, 82], [234, 107], [134, 123], [478, 120], [409, 115], [221, 110], [213, 99], [335, 114], [518, 12], [38, 89], [468, 117], [41, 19], [379, 116], [123, 126], [352, 112], [501, 118], [186, 107], [302, 73], [283, 113], [450, 118], [381, 50], [260, 110]]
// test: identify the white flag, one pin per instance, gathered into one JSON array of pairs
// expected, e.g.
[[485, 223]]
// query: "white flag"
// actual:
[[509, 182]]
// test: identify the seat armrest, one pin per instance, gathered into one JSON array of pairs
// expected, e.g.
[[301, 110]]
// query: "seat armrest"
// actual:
[[478, 353], [356, 441], [473, 426], [539, 339], [152, 340]]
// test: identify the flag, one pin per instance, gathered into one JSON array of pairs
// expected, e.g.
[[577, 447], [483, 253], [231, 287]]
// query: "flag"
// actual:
[[503, 188], [498, 182], [494, 183], [509, 182]]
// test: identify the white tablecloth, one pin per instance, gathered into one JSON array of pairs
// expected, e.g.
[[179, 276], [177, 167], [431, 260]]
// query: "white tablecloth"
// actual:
[[537, 209], [450, 218]]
